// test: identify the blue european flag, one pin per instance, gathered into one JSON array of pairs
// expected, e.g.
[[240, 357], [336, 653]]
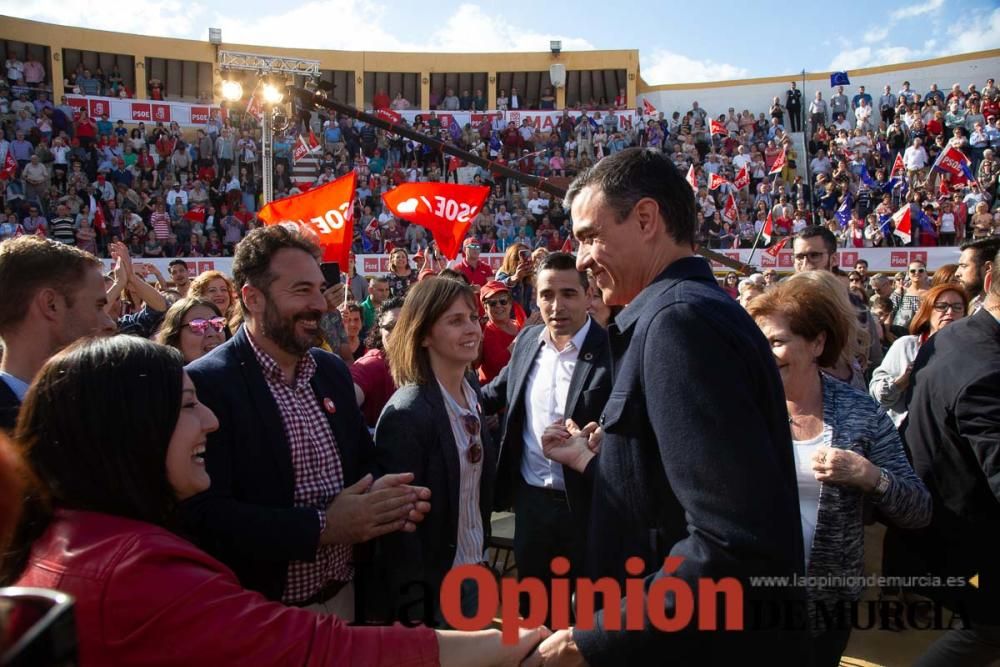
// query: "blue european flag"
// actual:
[[883, 223], [839, 79], [843, 214], [867, 179], [925, 223]]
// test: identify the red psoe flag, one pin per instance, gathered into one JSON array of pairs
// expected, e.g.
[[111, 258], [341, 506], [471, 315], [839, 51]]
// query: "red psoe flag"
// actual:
[[717, 127], [325, 213], [742, 179], [729, 211], [715, 181], [779, 164], [389, 115], [445, 209], [255, 105], [767, 231], [301, 149], [903, 223], [897, 167], [774, 250], [647, 108], [692, 179]]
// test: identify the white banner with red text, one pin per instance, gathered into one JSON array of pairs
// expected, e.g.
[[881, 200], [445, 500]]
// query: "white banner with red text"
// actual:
[[145, 111], [879, 259]]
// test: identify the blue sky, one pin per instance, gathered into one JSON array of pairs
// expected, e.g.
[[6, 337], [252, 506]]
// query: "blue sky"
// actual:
[[677, 41]]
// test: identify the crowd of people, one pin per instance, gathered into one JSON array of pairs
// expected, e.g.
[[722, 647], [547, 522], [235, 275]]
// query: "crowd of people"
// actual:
[[303, 456], [167, 191]]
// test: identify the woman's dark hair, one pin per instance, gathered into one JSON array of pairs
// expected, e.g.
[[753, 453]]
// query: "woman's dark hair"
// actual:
[[374, 339], [94, 430]]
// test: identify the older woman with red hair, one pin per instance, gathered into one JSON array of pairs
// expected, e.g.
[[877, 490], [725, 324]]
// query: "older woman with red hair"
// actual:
[[847, 450], [942, 305]]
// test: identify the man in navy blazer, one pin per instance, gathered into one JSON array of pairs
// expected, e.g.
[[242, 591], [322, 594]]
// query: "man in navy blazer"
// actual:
[[536, 387], [290, 492], [695, 473]]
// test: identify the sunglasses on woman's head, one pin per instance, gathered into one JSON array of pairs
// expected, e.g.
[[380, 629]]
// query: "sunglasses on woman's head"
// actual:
[[475, 452], [200, 325]]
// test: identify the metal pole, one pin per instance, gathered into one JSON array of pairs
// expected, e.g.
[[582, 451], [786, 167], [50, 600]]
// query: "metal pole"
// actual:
[[753, 250], [267, 155], [805, 153]]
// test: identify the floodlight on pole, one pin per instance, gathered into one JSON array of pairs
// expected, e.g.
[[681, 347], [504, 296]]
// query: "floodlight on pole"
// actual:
[[272, 94], [232, 90]]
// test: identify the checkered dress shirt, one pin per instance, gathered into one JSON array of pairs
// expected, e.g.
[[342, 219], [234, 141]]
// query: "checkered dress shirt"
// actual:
[[318, 472]]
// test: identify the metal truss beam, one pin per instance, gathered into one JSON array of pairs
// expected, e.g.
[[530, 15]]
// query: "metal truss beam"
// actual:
[[256, 62]]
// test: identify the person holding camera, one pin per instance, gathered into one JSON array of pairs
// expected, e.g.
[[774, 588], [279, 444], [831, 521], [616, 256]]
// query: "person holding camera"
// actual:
[[517, 272]]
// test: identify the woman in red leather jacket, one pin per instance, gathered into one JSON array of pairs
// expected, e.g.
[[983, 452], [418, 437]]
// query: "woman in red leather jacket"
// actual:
[[115, 436]]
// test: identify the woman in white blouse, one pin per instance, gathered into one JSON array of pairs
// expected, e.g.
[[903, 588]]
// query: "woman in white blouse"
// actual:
[[432, 427], [941, 306]]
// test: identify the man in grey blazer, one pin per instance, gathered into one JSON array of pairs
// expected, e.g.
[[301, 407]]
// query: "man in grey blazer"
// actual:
[[558, 370]]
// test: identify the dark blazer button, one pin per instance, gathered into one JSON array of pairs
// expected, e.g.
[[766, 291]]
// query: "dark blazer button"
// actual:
[[601, 420]]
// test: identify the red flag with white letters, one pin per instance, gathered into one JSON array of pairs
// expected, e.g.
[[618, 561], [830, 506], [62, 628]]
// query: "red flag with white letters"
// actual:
[[715, 181], [692, 179], [742, 179], [255, 105], [779, 164], [776, 248], [445, 209], [389, 115], [903, 223], [325, 213], [301, 149], [647, 108], [729, 211], [717, 127], [897, 167], [767, 231]]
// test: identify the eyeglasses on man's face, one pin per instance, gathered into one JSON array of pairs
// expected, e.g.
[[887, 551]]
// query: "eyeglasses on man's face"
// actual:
[[813, 256]]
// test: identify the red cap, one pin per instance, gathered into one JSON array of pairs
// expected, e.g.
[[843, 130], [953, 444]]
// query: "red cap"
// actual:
[[425, 273], [491, 288]]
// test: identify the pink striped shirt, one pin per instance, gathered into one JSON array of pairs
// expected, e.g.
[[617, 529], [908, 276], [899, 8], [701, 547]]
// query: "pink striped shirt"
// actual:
[[160, 222]]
